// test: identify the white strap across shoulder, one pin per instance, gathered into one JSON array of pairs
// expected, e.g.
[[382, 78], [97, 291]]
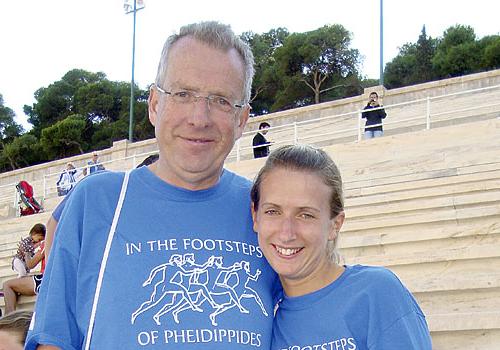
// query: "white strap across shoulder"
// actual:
[[105, 258]]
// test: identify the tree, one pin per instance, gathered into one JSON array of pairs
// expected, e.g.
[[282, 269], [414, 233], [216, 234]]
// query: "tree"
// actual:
[[425, 50], [9, 130], [457, 52], [24, 150], [8, 126], [319, 60], [266, 82], [64, 138], [413, 64], [57, 101], [99, 101], [491, 56]]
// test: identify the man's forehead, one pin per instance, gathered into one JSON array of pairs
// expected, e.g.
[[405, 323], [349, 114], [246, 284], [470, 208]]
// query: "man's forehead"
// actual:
[[192, 47], [212, 66]]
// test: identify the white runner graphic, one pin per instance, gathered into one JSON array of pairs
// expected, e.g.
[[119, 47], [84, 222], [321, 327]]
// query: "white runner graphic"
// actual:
[[183, 285]]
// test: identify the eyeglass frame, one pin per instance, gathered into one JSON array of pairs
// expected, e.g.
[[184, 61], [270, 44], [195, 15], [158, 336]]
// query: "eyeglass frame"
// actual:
[[208, 98]]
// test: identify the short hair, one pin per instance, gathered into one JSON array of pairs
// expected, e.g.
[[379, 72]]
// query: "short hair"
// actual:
[[373, 93], [307, 159], [17, 322], [215, 35], [264, 125], [38, 229]]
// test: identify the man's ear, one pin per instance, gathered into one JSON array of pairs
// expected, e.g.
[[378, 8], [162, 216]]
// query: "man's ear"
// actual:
[[242, 120], [153, 105]]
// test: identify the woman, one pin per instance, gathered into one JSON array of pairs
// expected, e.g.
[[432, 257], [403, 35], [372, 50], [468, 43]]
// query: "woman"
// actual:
[[27, 285], [67, 179], [298, 211]]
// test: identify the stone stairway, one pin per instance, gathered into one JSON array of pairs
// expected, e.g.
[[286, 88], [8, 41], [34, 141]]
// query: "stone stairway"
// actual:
[[424, 204]]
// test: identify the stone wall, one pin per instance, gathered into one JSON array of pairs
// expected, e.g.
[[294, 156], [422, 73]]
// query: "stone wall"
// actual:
[[43, 176]]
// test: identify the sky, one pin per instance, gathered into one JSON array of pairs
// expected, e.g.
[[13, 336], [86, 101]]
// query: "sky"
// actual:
[[41, 40]]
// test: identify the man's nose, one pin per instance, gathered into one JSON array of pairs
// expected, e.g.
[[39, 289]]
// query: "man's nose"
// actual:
[[200, 115]]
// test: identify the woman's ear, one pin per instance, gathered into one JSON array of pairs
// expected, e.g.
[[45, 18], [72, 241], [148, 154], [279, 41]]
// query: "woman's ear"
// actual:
[[254, 216], [337, 223]]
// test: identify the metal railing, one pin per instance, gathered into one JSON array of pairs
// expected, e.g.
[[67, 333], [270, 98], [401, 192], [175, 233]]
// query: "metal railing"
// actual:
[[418, 113], [402, 117]]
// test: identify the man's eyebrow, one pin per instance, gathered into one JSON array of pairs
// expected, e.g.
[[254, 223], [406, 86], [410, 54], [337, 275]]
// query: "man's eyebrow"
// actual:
[[182, 86]]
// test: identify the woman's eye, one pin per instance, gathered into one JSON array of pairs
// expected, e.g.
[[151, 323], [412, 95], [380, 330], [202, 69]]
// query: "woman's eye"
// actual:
[[271, 212], [306, 216]]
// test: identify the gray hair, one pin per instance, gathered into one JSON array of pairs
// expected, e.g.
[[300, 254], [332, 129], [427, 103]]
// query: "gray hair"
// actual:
[[308, 159], [218, 36], [17, 322]]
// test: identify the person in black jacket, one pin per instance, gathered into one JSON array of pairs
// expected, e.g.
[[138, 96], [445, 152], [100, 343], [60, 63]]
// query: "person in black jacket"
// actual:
[[260, 144], [373, 126]]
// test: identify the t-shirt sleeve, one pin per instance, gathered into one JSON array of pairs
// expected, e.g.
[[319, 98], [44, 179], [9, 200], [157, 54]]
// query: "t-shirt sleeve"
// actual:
[[54, 321], [396, 320], [410, 332], [56, 214]]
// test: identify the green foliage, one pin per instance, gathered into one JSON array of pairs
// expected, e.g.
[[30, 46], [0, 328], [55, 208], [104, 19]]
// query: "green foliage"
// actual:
[[84, 111], [64, 138], [314, 63], [491, 55], [425, 50], [458, 60], [8, 126], [109, 132], [23, 151], [57, 101], [266, 81], [413, 64], [455, 36], [457, 53]]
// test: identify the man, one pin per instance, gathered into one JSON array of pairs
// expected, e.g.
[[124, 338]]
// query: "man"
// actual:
[[112, 243], [260, 144], [373, 126], [93, 165]]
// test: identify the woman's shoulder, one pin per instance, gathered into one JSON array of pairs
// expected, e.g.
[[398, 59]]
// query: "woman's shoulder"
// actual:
[[376, 277]]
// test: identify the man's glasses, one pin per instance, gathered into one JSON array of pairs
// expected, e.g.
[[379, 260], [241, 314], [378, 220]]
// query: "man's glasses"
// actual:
[[215, 102]]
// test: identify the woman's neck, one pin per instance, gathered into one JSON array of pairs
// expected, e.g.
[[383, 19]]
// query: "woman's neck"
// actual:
[[315, 281]]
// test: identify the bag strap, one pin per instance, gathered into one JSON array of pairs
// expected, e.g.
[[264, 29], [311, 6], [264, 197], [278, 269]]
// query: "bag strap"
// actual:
[[105, 258]]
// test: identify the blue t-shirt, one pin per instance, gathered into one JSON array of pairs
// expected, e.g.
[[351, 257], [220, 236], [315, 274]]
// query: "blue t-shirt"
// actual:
[[184, 269], [56, 214], [365, 308]]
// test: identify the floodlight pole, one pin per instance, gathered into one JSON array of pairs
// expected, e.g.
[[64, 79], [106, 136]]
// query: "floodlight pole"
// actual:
[[131, 112], [381, 42]]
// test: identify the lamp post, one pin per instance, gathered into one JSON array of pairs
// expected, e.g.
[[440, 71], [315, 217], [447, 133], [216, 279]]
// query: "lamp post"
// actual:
[[381, 42], [132, 9]]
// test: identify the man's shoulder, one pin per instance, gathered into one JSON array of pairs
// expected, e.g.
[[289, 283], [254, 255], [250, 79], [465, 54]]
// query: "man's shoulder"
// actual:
[[104, 181], [237, 181]]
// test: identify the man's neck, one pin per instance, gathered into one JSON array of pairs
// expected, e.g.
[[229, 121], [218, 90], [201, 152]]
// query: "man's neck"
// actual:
[[195, 182]]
